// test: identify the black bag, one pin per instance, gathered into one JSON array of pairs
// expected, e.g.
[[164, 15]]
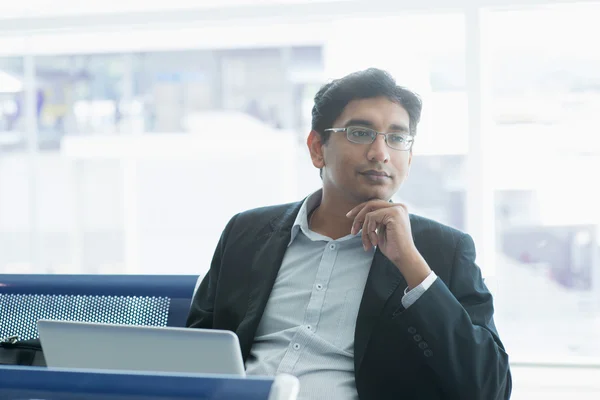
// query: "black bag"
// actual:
[[21, 352]]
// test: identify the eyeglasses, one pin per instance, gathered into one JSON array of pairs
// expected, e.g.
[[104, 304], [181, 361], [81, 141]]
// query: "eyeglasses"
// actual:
[[395, 140]]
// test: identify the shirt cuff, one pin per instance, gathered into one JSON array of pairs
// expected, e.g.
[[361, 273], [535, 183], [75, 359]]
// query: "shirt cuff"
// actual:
[[410, 296]]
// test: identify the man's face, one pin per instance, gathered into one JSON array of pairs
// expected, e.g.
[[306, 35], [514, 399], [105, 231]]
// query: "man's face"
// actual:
[[362, 172]]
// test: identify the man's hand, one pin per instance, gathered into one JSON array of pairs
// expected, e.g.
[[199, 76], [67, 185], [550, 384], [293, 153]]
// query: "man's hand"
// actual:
[[387, 225]]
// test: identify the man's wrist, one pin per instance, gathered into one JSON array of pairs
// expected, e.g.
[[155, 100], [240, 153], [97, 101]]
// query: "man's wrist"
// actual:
[[414, 268]]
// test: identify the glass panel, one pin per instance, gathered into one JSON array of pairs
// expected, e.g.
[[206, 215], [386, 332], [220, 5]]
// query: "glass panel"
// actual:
[[12, 119], [79, 95], [254, 81], [131, 144], [546, 97], [231, 107], [14, 187], [172, 87], [73, 221]]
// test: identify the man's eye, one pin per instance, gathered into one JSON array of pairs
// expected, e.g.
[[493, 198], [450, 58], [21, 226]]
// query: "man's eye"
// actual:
[[397, 138], [359, 133]]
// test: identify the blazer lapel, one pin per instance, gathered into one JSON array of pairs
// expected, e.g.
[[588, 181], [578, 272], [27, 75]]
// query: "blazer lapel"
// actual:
[[265, 267], [384, 277]]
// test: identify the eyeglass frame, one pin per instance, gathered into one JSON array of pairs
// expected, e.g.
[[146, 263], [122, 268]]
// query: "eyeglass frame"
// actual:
[[410, 138]]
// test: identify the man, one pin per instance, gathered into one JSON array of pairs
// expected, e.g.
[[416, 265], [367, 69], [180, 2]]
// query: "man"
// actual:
[[347, 290]]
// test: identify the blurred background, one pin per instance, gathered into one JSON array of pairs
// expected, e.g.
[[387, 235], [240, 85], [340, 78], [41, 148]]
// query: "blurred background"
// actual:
[[130, 132]]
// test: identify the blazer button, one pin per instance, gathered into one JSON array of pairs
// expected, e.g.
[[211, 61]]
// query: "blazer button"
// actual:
[[423, 345], [428, 353], [417, 338], [412, 330]]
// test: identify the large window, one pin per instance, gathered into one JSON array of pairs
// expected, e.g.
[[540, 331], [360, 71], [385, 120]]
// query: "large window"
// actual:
[[131, 148], [132, 141], [545, 85]]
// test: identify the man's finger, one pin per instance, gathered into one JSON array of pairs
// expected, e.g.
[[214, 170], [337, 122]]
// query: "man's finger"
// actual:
[[359, 219], [373, 225], [373, 204], [373, 222], [352, 213], [364, 235], [369, 230], [373, 239]]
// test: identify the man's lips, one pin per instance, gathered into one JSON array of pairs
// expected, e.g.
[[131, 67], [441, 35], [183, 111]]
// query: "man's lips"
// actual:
[[375, 173]]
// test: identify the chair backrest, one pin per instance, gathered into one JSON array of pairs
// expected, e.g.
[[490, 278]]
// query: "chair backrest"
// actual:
[[152, 300]]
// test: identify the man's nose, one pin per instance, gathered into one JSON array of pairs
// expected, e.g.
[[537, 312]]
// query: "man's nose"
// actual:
[[379, 150]]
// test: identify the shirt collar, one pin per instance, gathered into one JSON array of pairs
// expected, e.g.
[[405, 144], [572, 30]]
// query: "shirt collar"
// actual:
[[301, 221]]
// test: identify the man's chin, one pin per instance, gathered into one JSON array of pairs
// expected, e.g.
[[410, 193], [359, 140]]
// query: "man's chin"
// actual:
[[369, 195]]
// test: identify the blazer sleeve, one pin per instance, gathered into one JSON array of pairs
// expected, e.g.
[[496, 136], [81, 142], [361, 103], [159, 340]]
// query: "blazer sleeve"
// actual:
[[202, 307], [457, 336]]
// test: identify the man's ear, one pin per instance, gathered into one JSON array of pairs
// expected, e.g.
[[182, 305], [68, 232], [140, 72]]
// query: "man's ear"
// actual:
[[315, 147]]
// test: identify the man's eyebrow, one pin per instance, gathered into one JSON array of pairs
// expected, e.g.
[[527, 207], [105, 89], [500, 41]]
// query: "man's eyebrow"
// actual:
[[368, 124], [360, 122], [398, 128]]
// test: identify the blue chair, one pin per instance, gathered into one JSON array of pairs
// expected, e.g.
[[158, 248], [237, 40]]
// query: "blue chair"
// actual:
[[151, 300], [68, 384]]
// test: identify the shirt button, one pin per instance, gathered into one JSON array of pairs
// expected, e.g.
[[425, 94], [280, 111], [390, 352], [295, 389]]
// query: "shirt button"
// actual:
[[332, 246], [296, 346], [319, 286], [309, 327]]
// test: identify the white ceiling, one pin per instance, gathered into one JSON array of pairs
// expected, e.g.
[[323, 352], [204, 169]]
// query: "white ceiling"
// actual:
[[27, 15]]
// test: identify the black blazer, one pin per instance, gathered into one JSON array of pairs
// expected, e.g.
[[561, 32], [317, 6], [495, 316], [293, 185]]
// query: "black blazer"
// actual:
[[444, 346]]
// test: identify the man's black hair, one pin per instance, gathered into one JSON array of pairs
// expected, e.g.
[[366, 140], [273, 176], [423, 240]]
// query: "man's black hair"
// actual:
[[334, 96]]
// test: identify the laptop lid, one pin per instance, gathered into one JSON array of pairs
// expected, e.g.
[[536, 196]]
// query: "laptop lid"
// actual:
[[140, 348]]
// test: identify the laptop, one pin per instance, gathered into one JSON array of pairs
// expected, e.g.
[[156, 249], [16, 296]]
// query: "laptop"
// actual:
[[87, 345]]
